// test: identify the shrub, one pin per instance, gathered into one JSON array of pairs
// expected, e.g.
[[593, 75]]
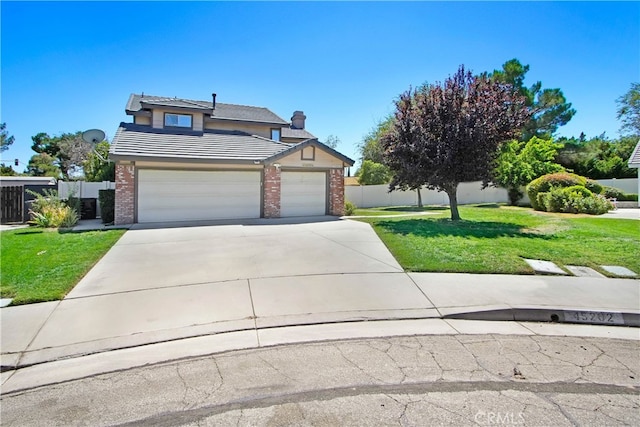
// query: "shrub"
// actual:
[[349, 208], [74, 203], [574, 199], [48, 211], [612, 193], [542, 202], [594, 186], [107, 200], [619, 195], [595, 205], [546, 182]]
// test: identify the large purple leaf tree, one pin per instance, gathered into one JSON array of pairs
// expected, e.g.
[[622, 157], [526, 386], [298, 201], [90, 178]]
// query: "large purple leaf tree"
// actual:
[[447, 133]]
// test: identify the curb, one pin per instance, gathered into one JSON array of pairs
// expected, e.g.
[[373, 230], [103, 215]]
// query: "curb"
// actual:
[[541, 315], [549, 315]]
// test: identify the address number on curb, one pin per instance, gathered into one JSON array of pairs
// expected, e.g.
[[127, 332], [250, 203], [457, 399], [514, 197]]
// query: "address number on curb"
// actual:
[[599, 317]]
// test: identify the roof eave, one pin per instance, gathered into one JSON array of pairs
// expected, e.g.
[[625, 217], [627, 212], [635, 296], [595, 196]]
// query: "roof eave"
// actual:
[[172, 159]]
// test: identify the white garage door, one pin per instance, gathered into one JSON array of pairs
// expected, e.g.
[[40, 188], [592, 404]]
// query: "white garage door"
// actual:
[[303, 193], [174, 195]]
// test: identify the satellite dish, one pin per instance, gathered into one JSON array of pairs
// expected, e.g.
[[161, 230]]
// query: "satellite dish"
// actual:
[[93, 136]]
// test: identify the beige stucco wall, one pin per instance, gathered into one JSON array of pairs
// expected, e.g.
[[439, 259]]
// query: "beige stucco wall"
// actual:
[[322, 160], [142, 120], [253, 129], [158, 119]]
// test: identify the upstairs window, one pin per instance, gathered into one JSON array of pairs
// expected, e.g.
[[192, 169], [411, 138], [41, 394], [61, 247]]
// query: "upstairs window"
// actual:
[[275, 134], [177, 120]]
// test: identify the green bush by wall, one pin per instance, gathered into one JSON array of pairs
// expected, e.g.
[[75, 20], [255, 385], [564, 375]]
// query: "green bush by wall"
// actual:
[[107, 200], [569, 193]]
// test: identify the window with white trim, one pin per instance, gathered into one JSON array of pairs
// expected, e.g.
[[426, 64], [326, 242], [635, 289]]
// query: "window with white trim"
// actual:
[[275, 134]]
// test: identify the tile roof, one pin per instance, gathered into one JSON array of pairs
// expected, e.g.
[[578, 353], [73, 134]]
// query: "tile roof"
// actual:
[[138, 142], [634, 160], [222, 111], [296, 133]]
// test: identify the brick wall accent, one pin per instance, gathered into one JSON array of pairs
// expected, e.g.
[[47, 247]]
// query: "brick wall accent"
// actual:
[[125, 194], [336, 192], [271, 189]]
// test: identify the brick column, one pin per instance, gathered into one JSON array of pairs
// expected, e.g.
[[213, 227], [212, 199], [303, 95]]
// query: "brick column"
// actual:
[[336, 192], [125, 194], [271, 192]]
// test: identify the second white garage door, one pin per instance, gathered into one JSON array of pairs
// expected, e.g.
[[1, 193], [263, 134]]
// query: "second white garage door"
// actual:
[[303, 193], [176, 195]]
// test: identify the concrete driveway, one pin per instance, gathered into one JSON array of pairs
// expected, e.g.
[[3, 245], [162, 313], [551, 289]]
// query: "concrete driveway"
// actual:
[[150, 258], [166, 283]]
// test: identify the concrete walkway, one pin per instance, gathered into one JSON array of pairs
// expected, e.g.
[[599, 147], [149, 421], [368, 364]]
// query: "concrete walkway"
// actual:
[[627, 213], [200, 289]]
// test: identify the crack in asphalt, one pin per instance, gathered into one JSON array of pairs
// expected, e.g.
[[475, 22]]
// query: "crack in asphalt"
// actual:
[[540, 389]]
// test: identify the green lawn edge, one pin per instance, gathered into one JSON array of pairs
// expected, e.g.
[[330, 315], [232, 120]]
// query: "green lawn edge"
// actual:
[[38, 265], [495, 239]]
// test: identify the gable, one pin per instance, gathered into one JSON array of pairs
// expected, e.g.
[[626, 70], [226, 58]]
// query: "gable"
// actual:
[[311, 153]]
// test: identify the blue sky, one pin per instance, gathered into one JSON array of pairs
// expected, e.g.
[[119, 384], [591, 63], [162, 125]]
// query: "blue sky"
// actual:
[[69, 66]]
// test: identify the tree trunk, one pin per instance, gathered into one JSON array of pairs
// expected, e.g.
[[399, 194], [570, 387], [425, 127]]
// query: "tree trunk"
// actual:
[[514, 195], [419, 197], [452, 192]]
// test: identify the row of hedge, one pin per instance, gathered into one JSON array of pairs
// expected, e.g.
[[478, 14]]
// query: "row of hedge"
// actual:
[[107, 200], [571, 193]]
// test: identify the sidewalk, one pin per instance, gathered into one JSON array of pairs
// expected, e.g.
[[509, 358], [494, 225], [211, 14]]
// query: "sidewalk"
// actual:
[[211, 317]]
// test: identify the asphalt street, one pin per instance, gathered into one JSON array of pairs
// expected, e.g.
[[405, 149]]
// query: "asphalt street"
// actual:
[[398, 381]]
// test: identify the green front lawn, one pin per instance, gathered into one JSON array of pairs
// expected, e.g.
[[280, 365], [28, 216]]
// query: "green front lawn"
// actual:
[[494, 239], [399, 210], [44, 265]]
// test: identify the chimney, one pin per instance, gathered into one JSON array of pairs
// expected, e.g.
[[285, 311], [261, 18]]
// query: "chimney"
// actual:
[[213, 110], [297, 121]]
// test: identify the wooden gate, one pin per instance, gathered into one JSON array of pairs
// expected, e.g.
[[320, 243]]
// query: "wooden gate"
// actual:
[[11, 204]]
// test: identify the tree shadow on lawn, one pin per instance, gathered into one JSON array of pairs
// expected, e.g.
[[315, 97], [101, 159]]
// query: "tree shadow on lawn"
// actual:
[[27, 231], [447, 227], [31, 231], [414, 209], [488, 206]]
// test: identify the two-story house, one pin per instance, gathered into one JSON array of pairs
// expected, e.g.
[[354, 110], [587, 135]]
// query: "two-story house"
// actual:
[[185, 160]]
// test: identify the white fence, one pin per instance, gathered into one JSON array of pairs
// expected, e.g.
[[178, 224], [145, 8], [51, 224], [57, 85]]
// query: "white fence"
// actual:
[[370, 196], [628, 185], [84, 190]]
